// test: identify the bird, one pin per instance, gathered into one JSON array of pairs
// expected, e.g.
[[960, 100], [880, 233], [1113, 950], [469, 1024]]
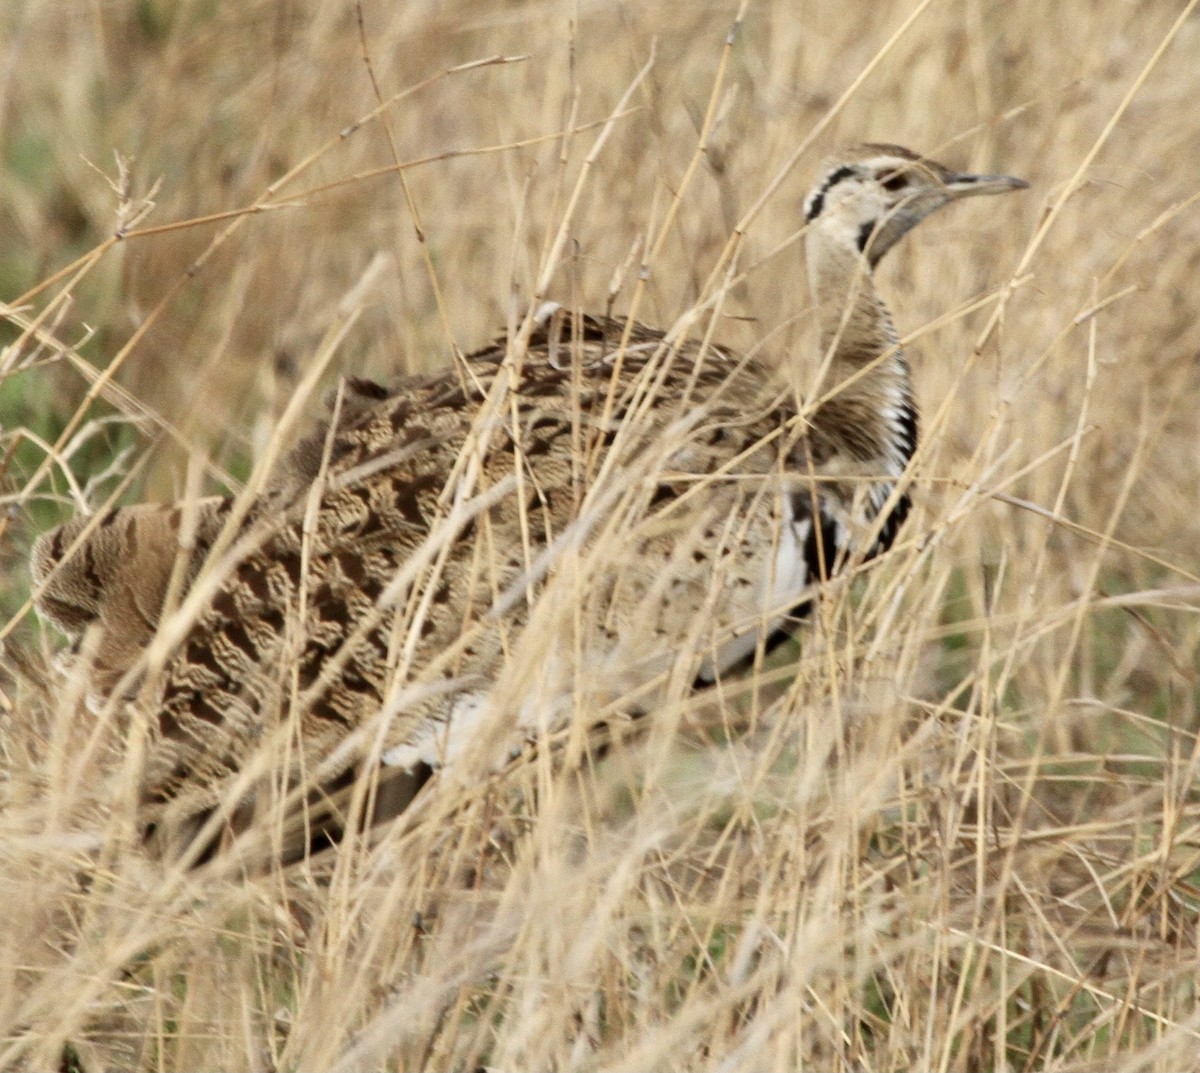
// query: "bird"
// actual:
[[630, 503]]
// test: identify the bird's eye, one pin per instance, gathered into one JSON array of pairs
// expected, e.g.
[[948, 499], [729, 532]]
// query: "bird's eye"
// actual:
[[894, 182]]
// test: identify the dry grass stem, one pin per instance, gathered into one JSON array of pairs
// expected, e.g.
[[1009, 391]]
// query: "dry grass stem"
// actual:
[[956, 826]]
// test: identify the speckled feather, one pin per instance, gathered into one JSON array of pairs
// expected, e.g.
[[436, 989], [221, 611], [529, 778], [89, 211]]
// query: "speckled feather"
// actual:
[[393, 565]]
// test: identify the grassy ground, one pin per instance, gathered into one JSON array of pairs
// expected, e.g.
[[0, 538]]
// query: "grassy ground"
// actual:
[[959, 829]]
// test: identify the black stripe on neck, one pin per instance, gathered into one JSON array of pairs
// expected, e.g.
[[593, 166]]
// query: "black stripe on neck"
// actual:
[[891, 525], [864, 235], [817, 202], [909, 429]]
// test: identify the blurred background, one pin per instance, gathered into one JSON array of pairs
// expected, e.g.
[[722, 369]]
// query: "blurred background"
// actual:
[[283, 162], [216, 312]]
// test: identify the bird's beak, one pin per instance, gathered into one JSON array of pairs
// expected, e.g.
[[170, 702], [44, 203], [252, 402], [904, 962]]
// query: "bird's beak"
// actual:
[[969, 185]]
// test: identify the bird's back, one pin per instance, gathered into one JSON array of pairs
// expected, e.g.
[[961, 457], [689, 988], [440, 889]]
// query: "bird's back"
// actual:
[[396, 561], [572, 519]]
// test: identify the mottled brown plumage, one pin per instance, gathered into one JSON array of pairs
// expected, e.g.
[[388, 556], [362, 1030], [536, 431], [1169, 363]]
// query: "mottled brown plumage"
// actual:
[[642, 503]]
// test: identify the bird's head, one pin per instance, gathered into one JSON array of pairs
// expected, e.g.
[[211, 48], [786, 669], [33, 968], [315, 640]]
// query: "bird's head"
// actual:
[[870, 196]]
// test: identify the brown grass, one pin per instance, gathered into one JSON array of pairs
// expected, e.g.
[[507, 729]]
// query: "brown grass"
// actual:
[[959, 829]]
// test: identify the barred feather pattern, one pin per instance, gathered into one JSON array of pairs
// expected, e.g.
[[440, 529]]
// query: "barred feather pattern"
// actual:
[[590, 395], [624, 504]]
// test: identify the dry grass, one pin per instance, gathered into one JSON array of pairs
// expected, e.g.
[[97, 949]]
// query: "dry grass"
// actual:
[[960, 829]]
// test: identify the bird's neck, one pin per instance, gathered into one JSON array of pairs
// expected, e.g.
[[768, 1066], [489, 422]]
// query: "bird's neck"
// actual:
[[863, 365], [856, 327]]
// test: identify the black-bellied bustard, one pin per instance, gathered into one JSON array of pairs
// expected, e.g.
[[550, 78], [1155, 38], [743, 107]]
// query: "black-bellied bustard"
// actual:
[[364, 605]]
